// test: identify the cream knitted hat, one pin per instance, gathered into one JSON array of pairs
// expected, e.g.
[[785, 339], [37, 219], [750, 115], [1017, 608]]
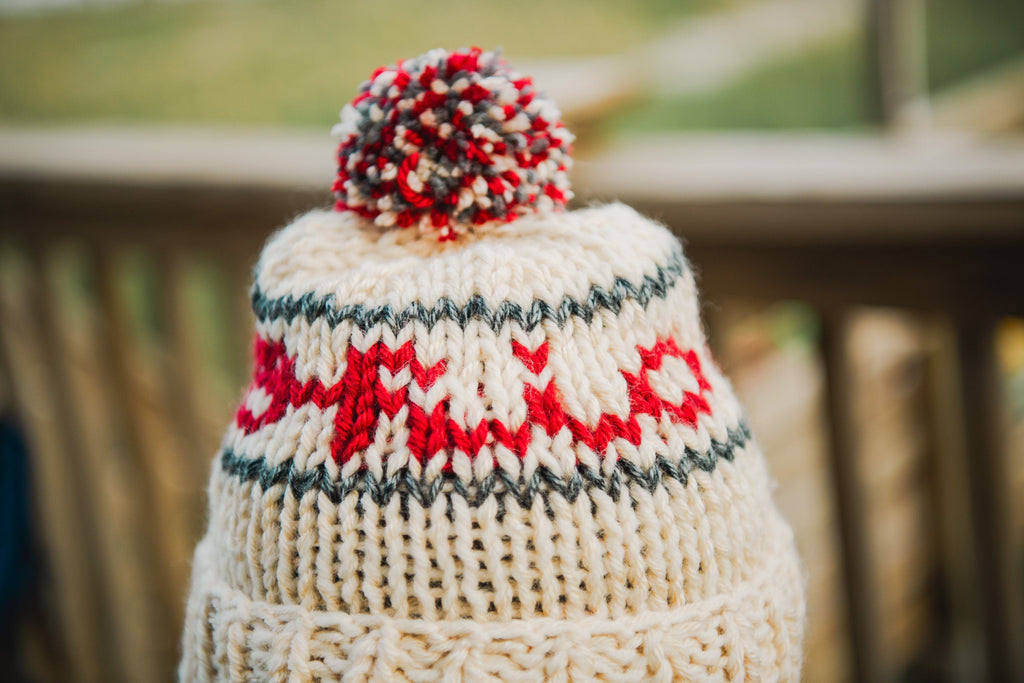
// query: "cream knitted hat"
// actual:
[[485, 439]]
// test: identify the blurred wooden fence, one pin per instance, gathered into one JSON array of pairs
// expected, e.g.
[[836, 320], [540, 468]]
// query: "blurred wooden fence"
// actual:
[[124, 395], [927, 225]]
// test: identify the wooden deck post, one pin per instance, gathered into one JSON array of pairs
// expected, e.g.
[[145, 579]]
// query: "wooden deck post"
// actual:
[[149, 550], [861, 608], [997, 561], [91, 591], [897, 66]]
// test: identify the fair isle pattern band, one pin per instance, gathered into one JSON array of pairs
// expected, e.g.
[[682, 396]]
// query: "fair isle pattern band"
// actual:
[[544, 482], [384, 390], [311, 307], [367, 400]]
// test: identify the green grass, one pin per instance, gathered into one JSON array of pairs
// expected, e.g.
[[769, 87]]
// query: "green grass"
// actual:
[[820, 88], [966, 37], [281, 62], [276, 61], [824, 87]]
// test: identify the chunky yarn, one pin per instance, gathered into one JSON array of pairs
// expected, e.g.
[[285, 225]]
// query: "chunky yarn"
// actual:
[[509, 457], [450, 141]]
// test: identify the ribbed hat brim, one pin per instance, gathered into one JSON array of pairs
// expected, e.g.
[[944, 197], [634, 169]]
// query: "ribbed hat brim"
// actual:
[[753, 632]]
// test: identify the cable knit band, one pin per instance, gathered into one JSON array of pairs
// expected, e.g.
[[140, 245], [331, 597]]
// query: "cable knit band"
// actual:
[[750, 632], [496, 316]]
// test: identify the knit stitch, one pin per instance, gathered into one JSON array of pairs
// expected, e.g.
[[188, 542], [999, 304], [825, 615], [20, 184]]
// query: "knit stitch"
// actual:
[[504, 457]]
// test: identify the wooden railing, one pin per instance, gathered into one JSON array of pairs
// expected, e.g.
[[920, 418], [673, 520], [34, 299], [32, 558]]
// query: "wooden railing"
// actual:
[[113, 403], [890, 223]]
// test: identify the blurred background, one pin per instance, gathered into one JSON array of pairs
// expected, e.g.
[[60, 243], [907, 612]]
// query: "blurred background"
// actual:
[[847, 175]]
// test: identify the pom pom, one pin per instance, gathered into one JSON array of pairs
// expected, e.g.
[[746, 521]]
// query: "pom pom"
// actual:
[[448, 142]]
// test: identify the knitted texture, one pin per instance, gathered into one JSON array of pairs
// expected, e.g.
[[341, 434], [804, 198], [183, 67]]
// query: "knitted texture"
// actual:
[[448, 142], [486, 455], [507, 459]]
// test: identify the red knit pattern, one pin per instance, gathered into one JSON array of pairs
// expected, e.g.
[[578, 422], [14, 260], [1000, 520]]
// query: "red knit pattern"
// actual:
[[362, 398]]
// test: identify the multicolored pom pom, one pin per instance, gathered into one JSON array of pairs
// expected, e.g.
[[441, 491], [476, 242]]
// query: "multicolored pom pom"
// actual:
[[448, 142]]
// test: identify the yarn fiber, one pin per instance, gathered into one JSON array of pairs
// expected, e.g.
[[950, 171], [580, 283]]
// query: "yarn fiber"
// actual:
[[504, 457], [448, 142]]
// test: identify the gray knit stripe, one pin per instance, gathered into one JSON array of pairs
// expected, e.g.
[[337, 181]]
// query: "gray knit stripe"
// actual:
[[500, 484], [309, 306]]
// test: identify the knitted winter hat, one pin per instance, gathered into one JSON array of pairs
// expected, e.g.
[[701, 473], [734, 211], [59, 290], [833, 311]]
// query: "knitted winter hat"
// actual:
[[485, 440]]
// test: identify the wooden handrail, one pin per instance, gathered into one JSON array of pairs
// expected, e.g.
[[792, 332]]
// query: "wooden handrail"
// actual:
[[778, 189], [933, 223]]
